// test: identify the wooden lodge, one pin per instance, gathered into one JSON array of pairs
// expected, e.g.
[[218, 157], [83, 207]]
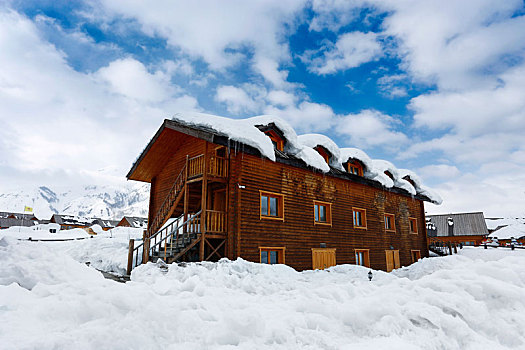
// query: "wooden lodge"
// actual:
[[225, 199]]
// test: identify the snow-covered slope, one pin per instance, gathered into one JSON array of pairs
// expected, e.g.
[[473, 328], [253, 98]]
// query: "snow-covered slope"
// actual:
[[473, 300], [107, 202]]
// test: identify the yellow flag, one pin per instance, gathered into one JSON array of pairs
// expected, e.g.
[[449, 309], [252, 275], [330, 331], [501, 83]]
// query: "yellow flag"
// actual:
[[28, 209]]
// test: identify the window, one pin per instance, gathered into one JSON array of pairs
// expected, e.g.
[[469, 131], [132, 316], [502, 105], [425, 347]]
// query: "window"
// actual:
[[362, 257], [416, 255], [323, 153], [354, 167], [277, 141], [413, 225], [272, 255], [390, 222], [322, 213], [272, 205], [359, 218]]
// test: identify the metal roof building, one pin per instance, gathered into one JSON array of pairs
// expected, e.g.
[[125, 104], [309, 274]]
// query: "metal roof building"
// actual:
[[462, 224]]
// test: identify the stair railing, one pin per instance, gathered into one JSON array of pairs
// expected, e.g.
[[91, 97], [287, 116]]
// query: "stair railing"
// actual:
[[188, 226], [160, 217]]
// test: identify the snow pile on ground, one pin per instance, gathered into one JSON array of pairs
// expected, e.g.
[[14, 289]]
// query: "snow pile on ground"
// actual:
[[103, 253], [302, 147], [469, 301], [42, 232]]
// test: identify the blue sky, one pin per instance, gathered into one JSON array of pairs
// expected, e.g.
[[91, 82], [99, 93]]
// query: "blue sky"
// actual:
[[435, 86]]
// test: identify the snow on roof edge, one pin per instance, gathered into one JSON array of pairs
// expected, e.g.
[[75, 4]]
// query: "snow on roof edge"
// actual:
[[302, 147]]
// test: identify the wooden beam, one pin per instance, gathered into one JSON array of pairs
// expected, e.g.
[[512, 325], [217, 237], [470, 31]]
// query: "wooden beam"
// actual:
[[204, 202], [130, 256], [215, 250]]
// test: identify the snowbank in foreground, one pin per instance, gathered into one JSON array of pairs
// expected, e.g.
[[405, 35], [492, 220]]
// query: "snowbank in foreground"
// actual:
[[469, 301]]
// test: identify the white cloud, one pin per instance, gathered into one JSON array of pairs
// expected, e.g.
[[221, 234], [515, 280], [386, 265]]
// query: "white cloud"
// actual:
[[237, 99], [498, 195], [130, 78], [218, 32], [370, 128], [391, 85], [350, 51], [306, 116], [57, 120], [438, 171]]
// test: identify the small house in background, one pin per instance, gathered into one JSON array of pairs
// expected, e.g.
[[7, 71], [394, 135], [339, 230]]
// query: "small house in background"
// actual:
[[68, 222], [133, 221], [106, 224], [464, 228], [10, 222], [19, 216], [504, 229]]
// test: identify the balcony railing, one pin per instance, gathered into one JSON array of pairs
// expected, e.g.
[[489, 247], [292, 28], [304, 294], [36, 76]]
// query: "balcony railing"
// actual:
[[215, 221], [217, 166]]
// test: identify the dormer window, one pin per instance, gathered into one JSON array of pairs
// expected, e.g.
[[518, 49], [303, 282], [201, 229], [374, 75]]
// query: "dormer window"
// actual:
[[407, 178], [278, 142], [354, 167], [324, 153]]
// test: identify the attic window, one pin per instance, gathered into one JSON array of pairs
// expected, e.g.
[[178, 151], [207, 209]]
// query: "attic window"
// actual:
[[407, 178], [354, 167], [323, 153], [389, 174], [278, 142]]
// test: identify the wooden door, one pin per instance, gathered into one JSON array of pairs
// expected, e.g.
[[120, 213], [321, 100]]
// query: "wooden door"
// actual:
[[219, 200], [323, 258], [392, 260], [416, 255]]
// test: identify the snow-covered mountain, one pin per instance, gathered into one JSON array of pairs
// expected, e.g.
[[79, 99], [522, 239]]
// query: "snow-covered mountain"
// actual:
[[107, 202]]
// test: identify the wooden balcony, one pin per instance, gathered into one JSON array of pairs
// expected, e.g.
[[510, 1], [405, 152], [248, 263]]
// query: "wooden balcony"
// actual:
[[218, 167], [215, 222]]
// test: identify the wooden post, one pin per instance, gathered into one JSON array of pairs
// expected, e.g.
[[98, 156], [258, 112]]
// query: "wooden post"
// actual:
[[186, 195], [449, 248], [204, 202], [145, 253], [455, 248], [130, 256]]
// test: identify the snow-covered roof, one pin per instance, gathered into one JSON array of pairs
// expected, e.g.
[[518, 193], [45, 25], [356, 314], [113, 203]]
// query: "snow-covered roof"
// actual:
[[246, 131], [505, 228]]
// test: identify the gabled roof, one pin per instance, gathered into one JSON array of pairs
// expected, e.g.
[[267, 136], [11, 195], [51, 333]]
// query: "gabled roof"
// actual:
[[71, 220], [106, 223], [135, 221], [246, 135], [25, 216], [464, 224]]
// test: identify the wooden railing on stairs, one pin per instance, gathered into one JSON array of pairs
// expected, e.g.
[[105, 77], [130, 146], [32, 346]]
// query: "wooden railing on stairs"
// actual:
[[164, 210]]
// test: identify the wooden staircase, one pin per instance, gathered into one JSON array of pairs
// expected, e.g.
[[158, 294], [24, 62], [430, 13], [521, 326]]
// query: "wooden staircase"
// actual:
[[173, 242]]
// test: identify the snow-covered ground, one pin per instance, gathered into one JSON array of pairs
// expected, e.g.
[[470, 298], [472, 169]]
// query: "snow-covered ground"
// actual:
[[473, 300]]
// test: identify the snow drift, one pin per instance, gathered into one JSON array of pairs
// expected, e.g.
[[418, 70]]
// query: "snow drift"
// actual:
[[468, 301]]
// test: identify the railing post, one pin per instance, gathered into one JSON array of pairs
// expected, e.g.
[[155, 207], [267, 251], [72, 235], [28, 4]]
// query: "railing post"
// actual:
[[204, 202], [130, 256]]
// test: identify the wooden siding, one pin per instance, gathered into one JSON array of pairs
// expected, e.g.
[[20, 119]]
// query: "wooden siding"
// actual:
[[298, 234]]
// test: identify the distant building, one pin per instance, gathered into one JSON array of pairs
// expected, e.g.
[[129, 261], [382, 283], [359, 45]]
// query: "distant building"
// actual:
[[134, 221], [68, 222], [19, 216], [10, 222], [464, 228], [506, 228], [106, 224]]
